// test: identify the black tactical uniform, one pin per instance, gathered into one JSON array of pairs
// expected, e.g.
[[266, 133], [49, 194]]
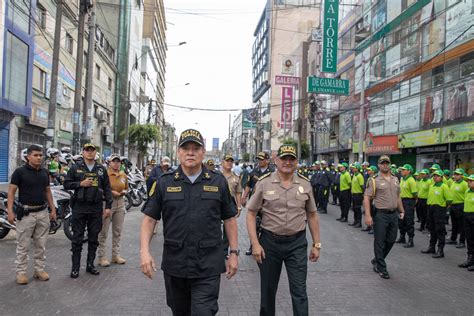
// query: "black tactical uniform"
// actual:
[[336, 176], [87, 209], [192, 251], [325, 181]]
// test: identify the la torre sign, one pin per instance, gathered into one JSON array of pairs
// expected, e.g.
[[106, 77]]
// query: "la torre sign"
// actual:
[[330, 30]]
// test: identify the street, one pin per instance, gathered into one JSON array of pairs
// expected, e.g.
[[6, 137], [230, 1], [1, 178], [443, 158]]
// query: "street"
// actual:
[[341, 282]]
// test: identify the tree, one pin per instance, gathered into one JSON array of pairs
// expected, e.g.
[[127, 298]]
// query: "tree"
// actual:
[[246, 157], [141, 136]]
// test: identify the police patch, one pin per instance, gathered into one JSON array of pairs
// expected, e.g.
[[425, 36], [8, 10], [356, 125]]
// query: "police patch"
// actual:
[[100, 172], [208, 188], [173, 189], [152, 190]]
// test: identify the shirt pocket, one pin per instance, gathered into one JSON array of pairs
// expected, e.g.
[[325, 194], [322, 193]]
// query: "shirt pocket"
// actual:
[[300, 200], [174, 201], [211, 201], [270, 200]]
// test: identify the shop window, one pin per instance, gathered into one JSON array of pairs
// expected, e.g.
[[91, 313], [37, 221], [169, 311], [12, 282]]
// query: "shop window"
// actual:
[[451, 71], [431, 108], [409, 114], [438, 76], [467, 64], [457, 101], [391, 118], [426, 81]]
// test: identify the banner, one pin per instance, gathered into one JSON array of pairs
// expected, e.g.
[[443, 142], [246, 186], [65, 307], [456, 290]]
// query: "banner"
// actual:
[[249, 119], [387, 144], [458, 133], [421, 138], [330, 32], [286, 107]]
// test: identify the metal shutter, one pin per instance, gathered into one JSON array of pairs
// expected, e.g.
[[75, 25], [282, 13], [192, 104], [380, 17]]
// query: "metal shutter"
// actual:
[[4, 149]]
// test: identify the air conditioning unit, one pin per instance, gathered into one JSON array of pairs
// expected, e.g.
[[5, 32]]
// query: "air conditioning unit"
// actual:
[[106, 131], [102, 116]]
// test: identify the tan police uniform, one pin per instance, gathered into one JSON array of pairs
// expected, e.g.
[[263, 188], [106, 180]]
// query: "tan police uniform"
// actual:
[[118, 183], [235, 187]]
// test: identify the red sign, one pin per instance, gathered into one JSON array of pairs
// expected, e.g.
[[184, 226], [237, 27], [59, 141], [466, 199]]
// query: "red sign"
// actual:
[[286, 107], [287, 80], [381, 144]]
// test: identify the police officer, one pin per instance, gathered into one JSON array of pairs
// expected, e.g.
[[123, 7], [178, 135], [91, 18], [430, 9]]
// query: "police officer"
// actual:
[[315, 181], [439, 197], [372, 172], [91, 186], [458, 190], [384, 191], [423, 186], [335, 177], [157, 171], [286, 201], [357, 192], [469, 224], [324, 187], [32, 182], [345, 192], [260, 170], [192, 201], [408, 193]]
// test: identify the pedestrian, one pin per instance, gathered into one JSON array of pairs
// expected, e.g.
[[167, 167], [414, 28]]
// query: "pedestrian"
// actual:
[[345, 192], [163, 167], [439, 197], [357, 193], [423, 190], [335, 184], [286, 201], [257, 172], [192, 201], [384, 191], [469, 224], [91, 186], [33, 220], [324, 187], [119, 186], [149, 168], [409, 192], [458, 190], [235, 190]]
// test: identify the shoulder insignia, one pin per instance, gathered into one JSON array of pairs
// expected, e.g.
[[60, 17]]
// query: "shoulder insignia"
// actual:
[[264, 176], [152, 190], [206, 175], [302, 177], [176, 175]]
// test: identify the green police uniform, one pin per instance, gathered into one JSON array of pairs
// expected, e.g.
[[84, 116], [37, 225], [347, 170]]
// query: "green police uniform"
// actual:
[[458, 190], [408, 193], [345, 194], [423, 187], [469, 227], [357, 190]]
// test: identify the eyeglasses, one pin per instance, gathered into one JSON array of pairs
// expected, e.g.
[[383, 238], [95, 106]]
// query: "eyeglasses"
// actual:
[[89, 149]]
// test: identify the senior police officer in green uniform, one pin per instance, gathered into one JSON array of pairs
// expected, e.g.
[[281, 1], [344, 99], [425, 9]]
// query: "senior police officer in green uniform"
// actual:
[[469, 224], [192, 201], [423, 187], [439, 197], [458, 190], [91, 186], [384, 191], [286, 201], [409, 193]]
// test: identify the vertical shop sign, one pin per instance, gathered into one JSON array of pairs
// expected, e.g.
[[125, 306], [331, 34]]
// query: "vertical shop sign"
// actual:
[[330, 30], [286, 107]]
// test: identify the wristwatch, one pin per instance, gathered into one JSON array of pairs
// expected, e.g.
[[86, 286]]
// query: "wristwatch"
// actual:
[[234, 251], [317, 245]]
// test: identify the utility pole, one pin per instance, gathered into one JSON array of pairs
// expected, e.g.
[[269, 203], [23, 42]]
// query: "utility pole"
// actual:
[[53, 96], [361, 115], [86, 119], [78, 87]]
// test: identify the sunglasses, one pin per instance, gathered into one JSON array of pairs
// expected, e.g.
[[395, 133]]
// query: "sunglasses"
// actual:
[[89, 149]]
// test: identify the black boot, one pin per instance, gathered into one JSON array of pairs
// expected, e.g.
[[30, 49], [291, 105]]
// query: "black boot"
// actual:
[[451, 242], [340, 218], [439, 253], [358, 225], [344, 220], [76, 264], [431, 249], [471, 268], [90, 264], [367, 229], [401, 240], [353, 223], [468, 263], [460, 245], [409, 244]]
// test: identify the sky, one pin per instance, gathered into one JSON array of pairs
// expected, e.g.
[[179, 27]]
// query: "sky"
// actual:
[[214, 68]]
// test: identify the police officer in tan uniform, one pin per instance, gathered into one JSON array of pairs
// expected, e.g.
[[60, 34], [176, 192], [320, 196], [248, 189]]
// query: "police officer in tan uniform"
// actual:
[[286, 201], [384, 191]]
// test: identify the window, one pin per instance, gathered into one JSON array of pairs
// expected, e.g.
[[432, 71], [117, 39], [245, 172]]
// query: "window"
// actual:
[[438, 76], [451, 71], [42, 17], [16, 70], [39, 79], [467, 64], [110, 84], [69, 45], [18, 14], [97, 72]]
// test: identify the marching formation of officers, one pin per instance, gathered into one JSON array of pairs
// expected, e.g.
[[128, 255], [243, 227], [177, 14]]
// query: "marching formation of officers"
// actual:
[[433, 196]]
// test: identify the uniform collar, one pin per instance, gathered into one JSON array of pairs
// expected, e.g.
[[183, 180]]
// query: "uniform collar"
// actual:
[[438, 184], [276, 178], [111, 172], [178, 175]]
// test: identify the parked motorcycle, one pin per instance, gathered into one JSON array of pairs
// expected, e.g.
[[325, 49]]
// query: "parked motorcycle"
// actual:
[[5, 226]]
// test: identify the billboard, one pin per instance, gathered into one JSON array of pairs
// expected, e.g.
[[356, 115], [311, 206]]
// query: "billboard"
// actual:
[[249, 119], [215, 144]]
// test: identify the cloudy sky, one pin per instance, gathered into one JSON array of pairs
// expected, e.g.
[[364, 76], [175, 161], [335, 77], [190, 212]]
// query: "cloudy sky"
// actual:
[[216, 62]]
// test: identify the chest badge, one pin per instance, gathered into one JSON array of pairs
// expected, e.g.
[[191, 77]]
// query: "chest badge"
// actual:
[[207, 176], [100, 172], [301, 189], [210, 188], [176, 175], [173, 189]]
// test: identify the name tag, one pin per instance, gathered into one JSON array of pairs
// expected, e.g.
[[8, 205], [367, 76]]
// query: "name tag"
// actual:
[[208, 188], [173, 189], [271, 192]]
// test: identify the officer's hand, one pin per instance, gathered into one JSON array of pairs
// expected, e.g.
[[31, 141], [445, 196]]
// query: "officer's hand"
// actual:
[[402, 215], [11, 218], [232, 265], [368, 220], [147, 265], [314, 254], [52, 215], [258, 253], [107, 212], [86, 183]]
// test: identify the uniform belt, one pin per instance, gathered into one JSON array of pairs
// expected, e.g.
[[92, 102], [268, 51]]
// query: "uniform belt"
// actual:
[[408, 198], [35, 208], [387, 210], [284, 238]]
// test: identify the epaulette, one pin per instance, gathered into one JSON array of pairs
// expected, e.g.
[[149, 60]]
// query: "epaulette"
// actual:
[[264, 176], [302, 176]]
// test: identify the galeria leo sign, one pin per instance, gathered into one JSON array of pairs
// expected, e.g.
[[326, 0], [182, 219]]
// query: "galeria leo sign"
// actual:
[[330, 29]]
